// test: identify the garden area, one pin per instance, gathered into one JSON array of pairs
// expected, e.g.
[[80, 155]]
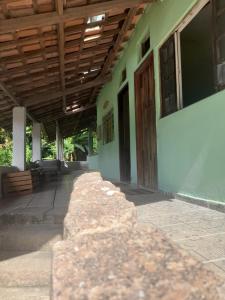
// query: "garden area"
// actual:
[[75, 147]]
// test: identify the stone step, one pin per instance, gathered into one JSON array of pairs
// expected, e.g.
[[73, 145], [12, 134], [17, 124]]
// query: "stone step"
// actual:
[[21, 269], [29, 237], [24, 293]]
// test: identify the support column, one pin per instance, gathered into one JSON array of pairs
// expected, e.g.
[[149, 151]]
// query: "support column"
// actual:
[[19, 138], [59, 144], [36, 141], [62, 148], [90, 142]]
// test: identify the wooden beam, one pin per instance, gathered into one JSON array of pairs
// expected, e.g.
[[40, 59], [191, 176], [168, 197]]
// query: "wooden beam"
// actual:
[[8, 94], [43, 109], [52, 117], [45, 104], [106, 34], [102, 23], [80, 109], [52, 18], [115, 49], [52, 96], [61, 45], [119, 41], [13, 99], [27, 40]]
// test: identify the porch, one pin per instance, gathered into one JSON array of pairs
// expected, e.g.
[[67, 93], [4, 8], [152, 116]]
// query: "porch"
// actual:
[[108, 67]]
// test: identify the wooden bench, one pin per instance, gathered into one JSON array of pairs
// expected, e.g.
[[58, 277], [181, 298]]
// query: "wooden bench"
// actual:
[[17, 183]]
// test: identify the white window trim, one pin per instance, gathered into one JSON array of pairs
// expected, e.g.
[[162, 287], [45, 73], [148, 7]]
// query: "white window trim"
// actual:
[[192, 14]]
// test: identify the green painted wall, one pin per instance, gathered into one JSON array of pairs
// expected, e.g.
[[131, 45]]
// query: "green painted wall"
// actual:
[[191, 142]]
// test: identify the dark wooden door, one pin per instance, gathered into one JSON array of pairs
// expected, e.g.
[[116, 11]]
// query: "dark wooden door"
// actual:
[[124, 134], [146, 125]]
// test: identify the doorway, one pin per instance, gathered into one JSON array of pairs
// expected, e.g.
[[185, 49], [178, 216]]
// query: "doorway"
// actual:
[[124, 134], [146, 125]]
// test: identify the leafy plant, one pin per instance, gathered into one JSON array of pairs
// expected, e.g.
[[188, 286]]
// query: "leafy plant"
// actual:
[[5, 148], [75, 147]]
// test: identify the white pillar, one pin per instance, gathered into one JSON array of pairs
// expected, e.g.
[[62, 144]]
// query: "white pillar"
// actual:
[[57, 138], [36, 141], [59, 144], [19, 138], [62, 148]]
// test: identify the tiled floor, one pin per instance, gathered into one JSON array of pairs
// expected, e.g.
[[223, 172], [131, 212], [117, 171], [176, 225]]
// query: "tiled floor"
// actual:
[[198, 229], [48, 204], [29, 226]]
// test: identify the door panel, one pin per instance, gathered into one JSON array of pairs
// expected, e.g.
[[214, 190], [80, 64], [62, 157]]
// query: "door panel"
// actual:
[[146, 125], [124, 134]]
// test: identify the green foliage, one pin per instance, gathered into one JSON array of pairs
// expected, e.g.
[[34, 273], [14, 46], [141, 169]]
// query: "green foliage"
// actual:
[[95, 143], [48, 148], [74, 147], [5, 148], [28, 144]]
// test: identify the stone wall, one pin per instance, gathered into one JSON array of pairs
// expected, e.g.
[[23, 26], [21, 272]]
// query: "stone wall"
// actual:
[[106, 254]]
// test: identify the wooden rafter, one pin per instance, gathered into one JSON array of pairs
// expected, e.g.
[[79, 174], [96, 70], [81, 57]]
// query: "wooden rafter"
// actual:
[[52, 51], [70, 91], [13, 99], [53, 18], [61, 42], [114, 51], [8, 94]]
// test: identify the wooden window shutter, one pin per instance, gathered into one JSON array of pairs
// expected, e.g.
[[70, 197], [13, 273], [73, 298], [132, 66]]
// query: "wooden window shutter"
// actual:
[[219, 41], [108, 128], [168, 77]]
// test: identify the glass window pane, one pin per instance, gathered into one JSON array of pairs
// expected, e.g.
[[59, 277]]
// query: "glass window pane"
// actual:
[[168, 77], [221, 74], [221, 49]]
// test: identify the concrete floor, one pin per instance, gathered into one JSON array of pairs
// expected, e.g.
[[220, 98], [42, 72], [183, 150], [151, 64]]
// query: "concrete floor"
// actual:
[[198, 229], [48, 204], [29, 226]]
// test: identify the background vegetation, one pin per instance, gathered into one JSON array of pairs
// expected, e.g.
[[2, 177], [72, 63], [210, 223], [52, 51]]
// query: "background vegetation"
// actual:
[[75, 147]]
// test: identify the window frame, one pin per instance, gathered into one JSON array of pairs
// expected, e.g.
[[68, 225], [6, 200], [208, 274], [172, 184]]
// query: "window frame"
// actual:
[[106, 129], [162, 111], [217, 38], [176, 33], [186, 21], [144, 51]]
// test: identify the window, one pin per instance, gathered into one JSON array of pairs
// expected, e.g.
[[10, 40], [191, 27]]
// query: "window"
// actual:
[[219, 29], [99, 133], [192, 60], [108, 128], [145, 46], [168, 77], [124, 75], [196, 50]]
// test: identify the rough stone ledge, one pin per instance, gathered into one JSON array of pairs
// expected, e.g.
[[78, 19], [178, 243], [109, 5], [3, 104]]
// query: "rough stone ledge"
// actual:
[[107, 255]]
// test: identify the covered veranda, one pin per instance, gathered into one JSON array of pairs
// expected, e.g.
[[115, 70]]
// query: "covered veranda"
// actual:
[[55, 56]]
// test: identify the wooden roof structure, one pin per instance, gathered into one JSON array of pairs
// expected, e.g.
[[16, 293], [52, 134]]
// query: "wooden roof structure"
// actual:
[[55, 55]]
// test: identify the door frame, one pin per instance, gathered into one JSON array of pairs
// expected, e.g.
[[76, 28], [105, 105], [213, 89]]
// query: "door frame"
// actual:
[[148, 60]]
